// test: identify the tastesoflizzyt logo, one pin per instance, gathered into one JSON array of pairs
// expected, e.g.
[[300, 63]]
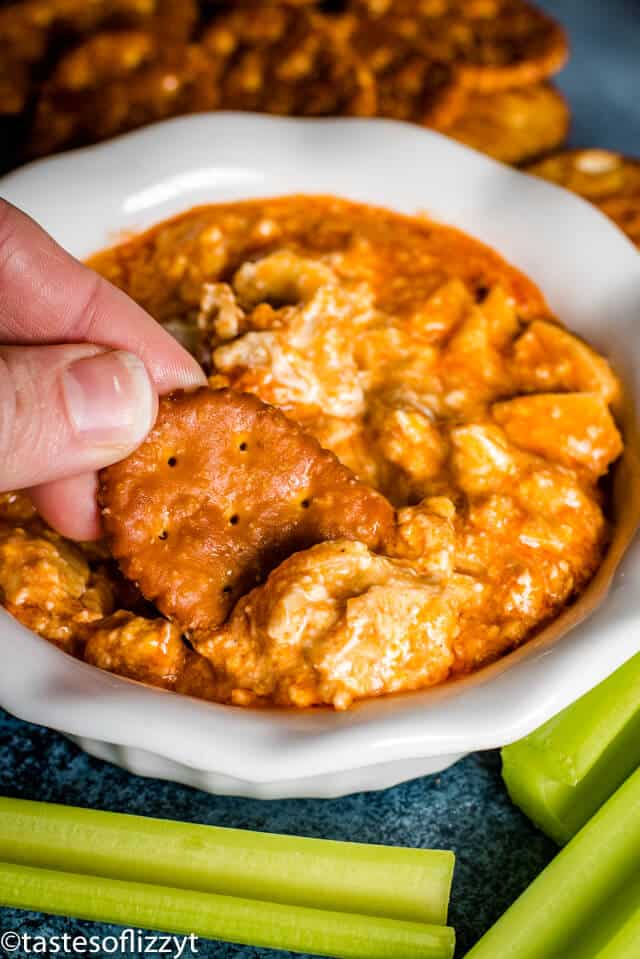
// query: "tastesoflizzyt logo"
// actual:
[[128, 942]]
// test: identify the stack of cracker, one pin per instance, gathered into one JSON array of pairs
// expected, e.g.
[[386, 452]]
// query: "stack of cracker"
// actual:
[[479, 71]]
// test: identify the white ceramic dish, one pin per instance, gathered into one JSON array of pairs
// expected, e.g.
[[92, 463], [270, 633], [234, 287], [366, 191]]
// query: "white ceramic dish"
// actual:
[[591, 276]]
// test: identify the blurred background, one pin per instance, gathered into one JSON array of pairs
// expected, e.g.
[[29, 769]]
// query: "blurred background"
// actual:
[[602, 78]]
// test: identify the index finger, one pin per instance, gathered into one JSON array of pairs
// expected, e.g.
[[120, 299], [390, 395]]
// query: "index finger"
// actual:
[[47, 296]]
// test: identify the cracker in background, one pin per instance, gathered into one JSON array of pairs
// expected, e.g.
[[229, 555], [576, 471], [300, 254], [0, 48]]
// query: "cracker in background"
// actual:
[[409, 85], [287, 61], [513, 126], [494, 44], [32, 31], [117, 81], [609, 180]]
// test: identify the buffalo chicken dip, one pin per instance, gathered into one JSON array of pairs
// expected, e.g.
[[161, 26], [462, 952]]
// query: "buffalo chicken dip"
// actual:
[[437, 375]]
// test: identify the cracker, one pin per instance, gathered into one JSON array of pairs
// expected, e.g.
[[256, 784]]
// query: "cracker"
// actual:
[[409, 85], [31, 32], [513, 126], [609, 180], [23, 44], [494, 44], [15, 85], [221, 491], [117, 81], [289, 61]]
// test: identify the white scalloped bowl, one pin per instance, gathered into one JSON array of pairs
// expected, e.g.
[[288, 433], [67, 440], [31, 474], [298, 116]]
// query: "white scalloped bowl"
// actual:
[[590, 275]]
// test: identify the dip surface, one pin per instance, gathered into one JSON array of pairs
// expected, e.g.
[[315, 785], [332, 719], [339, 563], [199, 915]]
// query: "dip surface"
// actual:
[[437, 374]]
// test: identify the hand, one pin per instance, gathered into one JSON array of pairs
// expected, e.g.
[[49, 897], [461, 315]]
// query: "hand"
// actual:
[[67, 410]]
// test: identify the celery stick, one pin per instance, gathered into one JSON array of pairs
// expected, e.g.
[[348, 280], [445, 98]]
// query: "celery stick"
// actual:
[[249, 921], [411, 884], [616, 930], [563, 772], [572, 742], [559, 810], [559, 907]]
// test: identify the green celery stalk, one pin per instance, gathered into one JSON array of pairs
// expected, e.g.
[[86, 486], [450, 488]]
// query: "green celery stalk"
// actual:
[[181, 911], [559, 907], [562, 773], [411, 884], [616, 931]]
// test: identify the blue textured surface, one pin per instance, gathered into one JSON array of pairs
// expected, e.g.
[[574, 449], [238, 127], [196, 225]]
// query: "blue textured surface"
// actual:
[[465, 808]]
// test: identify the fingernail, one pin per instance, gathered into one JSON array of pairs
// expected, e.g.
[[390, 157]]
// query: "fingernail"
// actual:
[[109, 398]]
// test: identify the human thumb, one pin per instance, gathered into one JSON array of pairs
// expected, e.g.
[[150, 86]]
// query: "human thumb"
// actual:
[[70, 409]]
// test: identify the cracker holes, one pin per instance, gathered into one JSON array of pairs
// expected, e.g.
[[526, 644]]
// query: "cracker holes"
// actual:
[[243, 447], [305, 503], [172, 461], [163, 534], [234, 519]]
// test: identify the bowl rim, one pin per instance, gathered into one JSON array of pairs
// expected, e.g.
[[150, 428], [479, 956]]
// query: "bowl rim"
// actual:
[[161, 168]]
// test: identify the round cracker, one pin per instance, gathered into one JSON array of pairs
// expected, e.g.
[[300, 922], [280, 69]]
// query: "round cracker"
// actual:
[[609, 180], [289, 61], [117, 81], [409, 85], [221, 491], [494, 44], [513, 126], [31, 31]]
